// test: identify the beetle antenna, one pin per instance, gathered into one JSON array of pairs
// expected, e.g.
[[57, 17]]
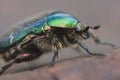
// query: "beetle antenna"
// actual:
[[94, 27]]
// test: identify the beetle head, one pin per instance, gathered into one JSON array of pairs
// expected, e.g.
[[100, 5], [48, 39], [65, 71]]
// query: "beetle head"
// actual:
[[82, 30]]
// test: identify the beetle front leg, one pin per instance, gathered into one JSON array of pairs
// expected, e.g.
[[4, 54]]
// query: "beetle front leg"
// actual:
[[97, 40], [55, 42], [85, 48]]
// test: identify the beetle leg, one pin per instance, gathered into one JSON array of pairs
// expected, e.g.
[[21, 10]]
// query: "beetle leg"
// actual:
[[85, 48], [55, 49], [18, 59], [18, 47], [97, 40], [6, 66], [25, 41]]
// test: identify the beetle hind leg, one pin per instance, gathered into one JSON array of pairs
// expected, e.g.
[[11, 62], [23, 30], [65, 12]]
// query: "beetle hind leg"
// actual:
[[18, 59], [26, 40], [6, 66]]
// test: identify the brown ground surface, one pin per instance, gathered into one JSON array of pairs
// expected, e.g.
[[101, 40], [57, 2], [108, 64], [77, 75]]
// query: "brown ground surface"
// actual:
[[85, 68]]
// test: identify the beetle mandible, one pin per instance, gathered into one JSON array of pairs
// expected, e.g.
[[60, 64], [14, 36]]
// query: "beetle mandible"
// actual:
[[52, 31]]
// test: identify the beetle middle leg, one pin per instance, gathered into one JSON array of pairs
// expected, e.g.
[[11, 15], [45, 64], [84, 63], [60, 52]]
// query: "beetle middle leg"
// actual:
[[55, 42]]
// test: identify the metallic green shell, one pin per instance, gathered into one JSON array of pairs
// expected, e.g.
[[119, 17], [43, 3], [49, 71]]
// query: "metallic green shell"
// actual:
[[37, 25], [59, 19]]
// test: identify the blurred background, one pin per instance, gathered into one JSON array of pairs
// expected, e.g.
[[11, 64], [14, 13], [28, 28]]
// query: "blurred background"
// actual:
[[91, 12]]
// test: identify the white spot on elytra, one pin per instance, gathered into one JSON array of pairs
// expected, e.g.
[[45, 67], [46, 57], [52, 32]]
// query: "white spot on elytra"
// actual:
[[11, 38]]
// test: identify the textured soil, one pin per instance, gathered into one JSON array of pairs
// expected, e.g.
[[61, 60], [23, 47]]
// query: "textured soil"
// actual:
[[86, 68]]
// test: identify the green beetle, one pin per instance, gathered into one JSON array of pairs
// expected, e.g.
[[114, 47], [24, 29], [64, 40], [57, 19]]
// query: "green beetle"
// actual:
[[52, 31]]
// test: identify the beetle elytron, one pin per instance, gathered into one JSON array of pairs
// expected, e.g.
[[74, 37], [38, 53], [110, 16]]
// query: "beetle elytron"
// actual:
[[52, 31]]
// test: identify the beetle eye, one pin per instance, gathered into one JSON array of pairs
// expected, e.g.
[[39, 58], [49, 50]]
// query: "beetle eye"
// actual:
[[86, 29], [81, 27], [78, 27]]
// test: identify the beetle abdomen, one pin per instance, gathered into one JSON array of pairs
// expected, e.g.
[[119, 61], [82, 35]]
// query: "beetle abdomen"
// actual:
[[16, 34], [36, 26]]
